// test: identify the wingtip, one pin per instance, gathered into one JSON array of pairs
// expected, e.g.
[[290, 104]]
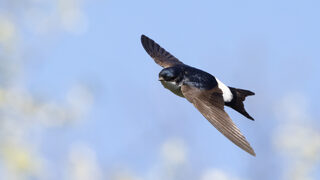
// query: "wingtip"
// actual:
[[253, 153], [250, 151], [145, 40], [143, 36]]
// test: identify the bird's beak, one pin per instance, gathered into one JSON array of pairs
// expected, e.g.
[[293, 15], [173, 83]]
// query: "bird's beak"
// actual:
[[161, 78]]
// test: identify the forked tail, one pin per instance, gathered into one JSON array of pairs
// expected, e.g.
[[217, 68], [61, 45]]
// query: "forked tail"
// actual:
[[239, 95]]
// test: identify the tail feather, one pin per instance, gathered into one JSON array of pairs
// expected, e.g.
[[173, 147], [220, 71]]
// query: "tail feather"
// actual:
[[239, 95]]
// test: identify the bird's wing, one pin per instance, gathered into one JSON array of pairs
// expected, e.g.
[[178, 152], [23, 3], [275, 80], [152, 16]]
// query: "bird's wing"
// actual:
[[159, 54], [211, 105]]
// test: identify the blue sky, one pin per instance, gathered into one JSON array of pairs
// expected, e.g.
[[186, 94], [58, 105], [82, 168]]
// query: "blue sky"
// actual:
[[269, 47]]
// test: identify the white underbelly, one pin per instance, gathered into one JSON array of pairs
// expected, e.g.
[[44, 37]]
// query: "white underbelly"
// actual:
[[172, 87]]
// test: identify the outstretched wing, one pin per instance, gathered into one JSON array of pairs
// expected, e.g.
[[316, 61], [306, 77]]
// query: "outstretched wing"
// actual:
[[211, 105], [159, 54]]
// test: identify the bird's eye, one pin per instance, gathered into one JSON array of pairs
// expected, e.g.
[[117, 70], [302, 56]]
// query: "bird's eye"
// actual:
[[168, 74]]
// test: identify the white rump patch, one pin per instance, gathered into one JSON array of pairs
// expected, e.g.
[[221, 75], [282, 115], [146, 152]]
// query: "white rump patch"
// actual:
[[226, 93]]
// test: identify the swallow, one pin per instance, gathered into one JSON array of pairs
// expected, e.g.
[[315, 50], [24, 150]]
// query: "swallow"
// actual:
[[206, 92]]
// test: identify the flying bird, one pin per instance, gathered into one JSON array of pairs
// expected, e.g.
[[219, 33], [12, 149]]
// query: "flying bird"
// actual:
[[206, 92]]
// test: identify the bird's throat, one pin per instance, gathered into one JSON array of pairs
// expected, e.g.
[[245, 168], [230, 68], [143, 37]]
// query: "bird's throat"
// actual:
[[173, 87]]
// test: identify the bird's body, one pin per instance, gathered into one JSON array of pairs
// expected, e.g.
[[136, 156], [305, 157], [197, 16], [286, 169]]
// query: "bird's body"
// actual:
[[208, 94], [192, 76]]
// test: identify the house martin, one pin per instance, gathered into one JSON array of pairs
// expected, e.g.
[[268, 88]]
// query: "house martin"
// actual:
[[206, 92]]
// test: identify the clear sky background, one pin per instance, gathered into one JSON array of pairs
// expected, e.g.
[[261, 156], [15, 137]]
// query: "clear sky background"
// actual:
[[80, 98]]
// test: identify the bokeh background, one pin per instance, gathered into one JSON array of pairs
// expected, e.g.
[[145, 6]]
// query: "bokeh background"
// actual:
[[80, 100]]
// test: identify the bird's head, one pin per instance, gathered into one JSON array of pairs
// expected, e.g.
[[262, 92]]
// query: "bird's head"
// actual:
[[171, 74]]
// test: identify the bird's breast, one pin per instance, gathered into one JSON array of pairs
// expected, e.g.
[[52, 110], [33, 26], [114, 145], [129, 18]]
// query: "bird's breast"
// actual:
[[173, 87]]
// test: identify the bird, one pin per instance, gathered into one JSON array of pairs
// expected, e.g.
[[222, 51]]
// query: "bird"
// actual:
[[206, 92]]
